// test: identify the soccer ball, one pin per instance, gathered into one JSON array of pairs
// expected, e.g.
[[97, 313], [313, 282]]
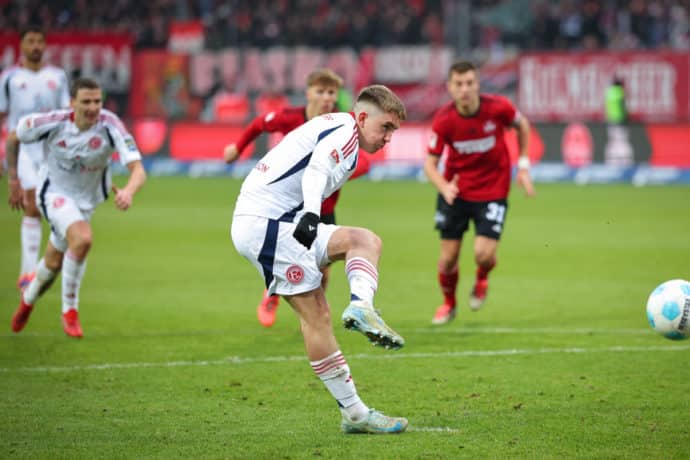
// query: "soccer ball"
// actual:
[[668, 309]]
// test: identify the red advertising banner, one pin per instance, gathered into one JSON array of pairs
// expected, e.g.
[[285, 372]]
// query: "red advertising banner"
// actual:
[[106, 57], [570, 87]]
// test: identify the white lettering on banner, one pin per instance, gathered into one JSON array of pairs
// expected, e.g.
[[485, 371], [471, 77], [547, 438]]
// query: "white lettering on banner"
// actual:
[[482, 145], [286, 69], [412, 64], [107, 61], [569, 87]]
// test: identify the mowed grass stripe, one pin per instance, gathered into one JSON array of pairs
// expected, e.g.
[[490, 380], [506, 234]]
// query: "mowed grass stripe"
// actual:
[[272, 359]]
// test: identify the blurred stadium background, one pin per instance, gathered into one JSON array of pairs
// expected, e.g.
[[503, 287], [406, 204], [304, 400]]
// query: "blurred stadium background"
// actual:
[[187, 75]]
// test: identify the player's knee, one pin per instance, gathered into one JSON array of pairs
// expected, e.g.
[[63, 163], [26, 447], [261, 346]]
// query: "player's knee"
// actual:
[[447, 264], [81, 242], [30, 208], [484, 258]]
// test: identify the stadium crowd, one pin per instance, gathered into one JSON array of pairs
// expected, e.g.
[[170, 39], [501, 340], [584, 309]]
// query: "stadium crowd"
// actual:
[[526, 24]]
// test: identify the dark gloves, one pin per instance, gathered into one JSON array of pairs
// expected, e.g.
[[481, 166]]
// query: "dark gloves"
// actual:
[[305, 232]]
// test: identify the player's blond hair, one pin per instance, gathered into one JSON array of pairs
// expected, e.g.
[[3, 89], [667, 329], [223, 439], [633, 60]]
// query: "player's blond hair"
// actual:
[[325, 77], [383, 98]]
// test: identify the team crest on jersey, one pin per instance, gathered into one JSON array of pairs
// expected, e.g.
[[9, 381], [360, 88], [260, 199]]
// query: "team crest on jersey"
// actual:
[[52, 85], [95, 142], [61, 143], [489, 126], [294, 274], [58, 202]]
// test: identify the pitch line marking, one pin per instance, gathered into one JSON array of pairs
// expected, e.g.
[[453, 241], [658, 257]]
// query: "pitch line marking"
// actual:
[[536, 330], [433, 429], [238, 360]]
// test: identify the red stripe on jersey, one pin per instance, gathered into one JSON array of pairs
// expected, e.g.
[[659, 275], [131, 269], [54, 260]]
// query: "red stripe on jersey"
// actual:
[[51, 117], [347, 149], [115, 121]]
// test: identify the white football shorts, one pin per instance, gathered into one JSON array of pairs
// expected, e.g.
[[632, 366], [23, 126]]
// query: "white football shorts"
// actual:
[[60, 211], [287, 267], [28, 164]]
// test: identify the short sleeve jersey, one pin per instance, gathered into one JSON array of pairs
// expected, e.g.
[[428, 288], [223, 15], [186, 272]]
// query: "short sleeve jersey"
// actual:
[[23, 91], [273, 189], [76, 162], [477, 150]]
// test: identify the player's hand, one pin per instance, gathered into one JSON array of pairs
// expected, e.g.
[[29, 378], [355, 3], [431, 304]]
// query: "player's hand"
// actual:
[[525, 182], [230, 153], [123, 198], [450, 190], [305, 232], [15, 198]]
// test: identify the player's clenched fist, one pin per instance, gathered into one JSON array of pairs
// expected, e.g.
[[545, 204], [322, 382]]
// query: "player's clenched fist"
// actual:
[[305, 232]]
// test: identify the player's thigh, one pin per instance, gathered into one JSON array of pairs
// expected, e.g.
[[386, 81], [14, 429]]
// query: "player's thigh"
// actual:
[[287, 267], [490, 217], [61, 212], [451, 220]]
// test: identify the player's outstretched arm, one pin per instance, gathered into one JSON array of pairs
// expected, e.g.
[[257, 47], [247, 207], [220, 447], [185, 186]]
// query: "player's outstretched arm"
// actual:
[[137, 178], [15, 190]]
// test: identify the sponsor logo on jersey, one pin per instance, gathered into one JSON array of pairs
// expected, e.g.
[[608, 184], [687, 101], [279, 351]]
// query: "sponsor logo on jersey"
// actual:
[[270, 116], [58, 202], [62, 144], [294, 274], [489, 126], [261, 167], [482, 145], [52, 85], [95, 142], [335, 157]]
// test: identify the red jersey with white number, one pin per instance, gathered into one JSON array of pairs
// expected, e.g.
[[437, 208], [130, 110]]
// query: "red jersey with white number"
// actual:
[[284, 121], [477, 151]]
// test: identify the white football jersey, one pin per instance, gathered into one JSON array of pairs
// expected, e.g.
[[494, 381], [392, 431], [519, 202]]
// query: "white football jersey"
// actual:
[[315, 158], [23, 91], [76, 162]]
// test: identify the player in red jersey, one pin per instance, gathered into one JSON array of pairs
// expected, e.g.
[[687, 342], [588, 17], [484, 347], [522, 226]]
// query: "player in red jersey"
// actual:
[[321, 94], [475, 181]]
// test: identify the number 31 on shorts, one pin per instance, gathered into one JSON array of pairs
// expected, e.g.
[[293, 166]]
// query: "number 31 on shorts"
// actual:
[[496, 212]]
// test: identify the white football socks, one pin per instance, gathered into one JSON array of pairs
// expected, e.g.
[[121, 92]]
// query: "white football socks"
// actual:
[[30, 242], [363, 277], [43, 278], [72, 274], [335, 374]]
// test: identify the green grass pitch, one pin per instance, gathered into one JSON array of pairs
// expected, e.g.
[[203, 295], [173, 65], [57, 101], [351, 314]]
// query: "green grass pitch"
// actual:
[[560, 363]]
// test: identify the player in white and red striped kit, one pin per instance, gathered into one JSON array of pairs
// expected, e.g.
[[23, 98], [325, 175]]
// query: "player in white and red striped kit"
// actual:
[[475, 180], [276, 227], [73, 180], [28, 87]]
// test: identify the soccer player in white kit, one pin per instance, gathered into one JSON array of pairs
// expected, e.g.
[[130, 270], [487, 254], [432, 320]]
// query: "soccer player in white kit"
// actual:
[[29, 87], [73, 180], [276, 227]]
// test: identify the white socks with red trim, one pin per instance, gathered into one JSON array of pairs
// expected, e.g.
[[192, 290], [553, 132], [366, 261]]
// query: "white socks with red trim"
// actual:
[[335, 374]]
